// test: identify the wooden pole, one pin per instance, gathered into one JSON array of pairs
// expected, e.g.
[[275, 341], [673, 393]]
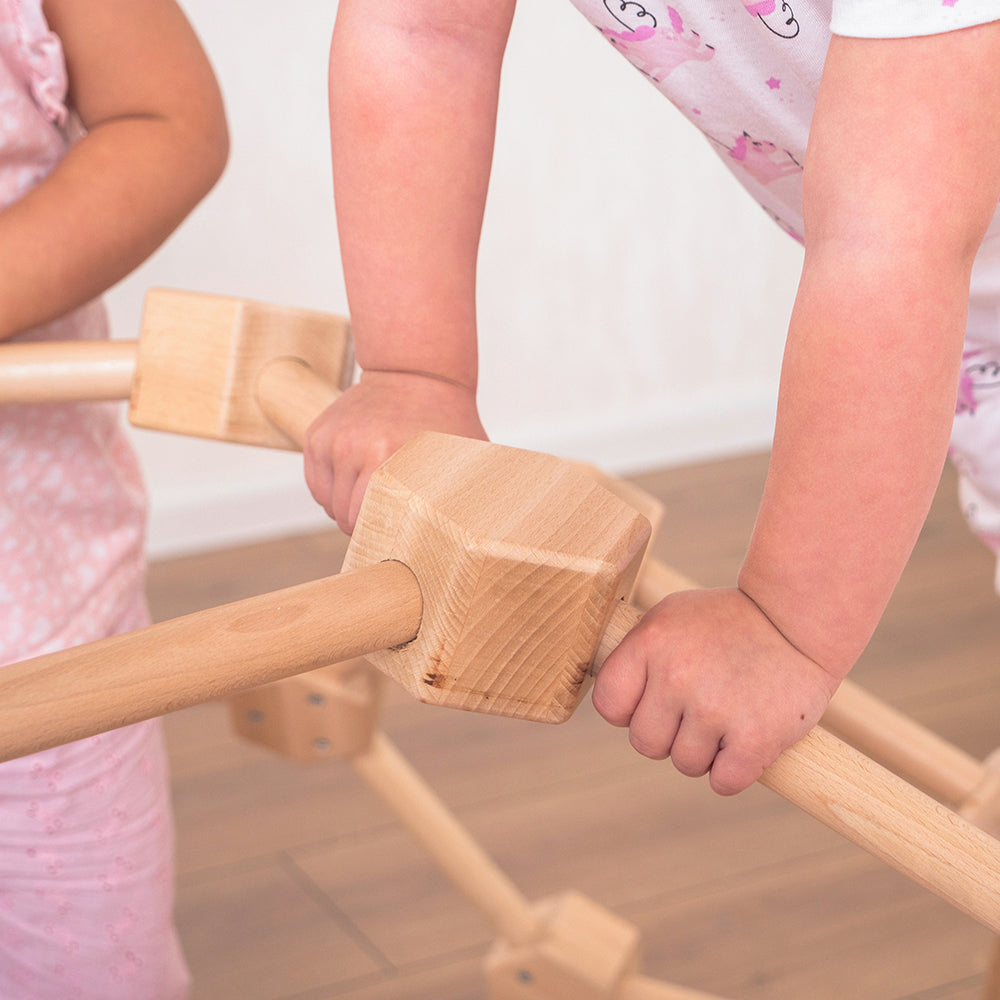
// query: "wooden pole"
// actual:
[[877, 810], [78, 692], [881, 731], [447, 842], [292, 395], [72, 371], [888, 817], [911, 750]]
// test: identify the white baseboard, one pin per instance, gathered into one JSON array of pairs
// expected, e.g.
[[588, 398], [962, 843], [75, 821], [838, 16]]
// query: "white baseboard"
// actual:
[[644, 438], [235, 512]]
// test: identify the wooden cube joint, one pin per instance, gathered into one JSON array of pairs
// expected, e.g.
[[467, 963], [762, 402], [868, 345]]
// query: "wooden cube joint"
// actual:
[[200, 355], [521, 559], [323, 714], [585, 953]]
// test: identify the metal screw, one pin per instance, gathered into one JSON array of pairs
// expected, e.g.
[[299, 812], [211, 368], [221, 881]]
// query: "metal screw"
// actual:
[[525, 976], [316, 699], [255, 716], [322, 744]]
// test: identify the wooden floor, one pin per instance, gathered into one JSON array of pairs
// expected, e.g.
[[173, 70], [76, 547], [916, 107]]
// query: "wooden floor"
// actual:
[[295, 883]]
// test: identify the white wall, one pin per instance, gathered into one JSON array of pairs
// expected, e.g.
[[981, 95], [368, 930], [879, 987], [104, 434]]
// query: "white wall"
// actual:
[[633, 300]]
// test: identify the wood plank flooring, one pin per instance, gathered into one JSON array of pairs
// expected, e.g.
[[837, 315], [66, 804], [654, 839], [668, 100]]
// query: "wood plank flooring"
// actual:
[[296, 883]]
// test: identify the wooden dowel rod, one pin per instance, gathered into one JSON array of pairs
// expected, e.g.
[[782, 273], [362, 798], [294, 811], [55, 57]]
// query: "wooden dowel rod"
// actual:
[[877, 810], [880, 812], [868, 723], [288, 390], [292, 395], [447, 842], [912, 751], [89, 689], [70, 371]]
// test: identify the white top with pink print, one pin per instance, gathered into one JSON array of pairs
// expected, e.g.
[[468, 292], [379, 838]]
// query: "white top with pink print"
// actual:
[[746, 72]]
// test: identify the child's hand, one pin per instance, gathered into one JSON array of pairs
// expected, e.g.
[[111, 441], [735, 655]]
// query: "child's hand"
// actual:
[[708, 681], [372, 419]]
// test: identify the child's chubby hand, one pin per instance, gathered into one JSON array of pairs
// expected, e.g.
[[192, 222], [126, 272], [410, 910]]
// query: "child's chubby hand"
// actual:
[[369, 422], [708, 681]]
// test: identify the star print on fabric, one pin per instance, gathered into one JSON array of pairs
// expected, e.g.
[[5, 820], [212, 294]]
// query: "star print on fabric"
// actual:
[[948, 3], [773, 83]]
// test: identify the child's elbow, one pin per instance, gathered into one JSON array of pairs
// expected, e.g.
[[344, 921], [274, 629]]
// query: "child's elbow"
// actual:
[[209, 138], [218, 155]]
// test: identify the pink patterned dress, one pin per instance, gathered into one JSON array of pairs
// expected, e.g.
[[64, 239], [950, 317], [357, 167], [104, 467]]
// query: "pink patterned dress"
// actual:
[[86, 834]]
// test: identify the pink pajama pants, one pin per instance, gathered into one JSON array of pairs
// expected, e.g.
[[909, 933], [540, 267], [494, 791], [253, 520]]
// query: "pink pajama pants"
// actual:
[[86, 872]]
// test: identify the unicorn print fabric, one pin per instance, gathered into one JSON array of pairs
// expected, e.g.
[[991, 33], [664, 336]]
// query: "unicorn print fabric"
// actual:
[[746, 74]]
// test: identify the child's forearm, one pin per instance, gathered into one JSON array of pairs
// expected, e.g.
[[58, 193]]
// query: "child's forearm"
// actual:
[[872, 359], [156, 142], [413, 108], [108, 205], [867, 399], [413, 101]]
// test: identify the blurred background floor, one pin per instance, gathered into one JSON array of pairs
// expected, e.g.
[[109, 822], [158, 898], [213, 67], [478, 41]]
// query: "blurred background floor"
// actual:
[[295, 882]]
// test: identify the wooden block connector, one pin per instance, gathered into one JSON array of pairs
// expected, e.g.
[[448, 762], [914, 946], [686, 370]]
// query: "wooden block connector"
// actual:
[[326, 713], [584, 953], [505, 544], [200, 357]]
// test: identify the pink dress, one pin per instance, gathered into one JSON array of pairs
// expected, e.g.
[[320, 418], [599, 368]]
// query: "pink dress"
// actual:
[[86, 833]]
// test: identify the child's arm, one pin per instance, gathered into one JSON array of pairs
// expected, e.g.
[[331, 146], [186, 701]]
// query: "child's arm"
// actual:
[[156, 143], [902, 178], [413, 98]]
